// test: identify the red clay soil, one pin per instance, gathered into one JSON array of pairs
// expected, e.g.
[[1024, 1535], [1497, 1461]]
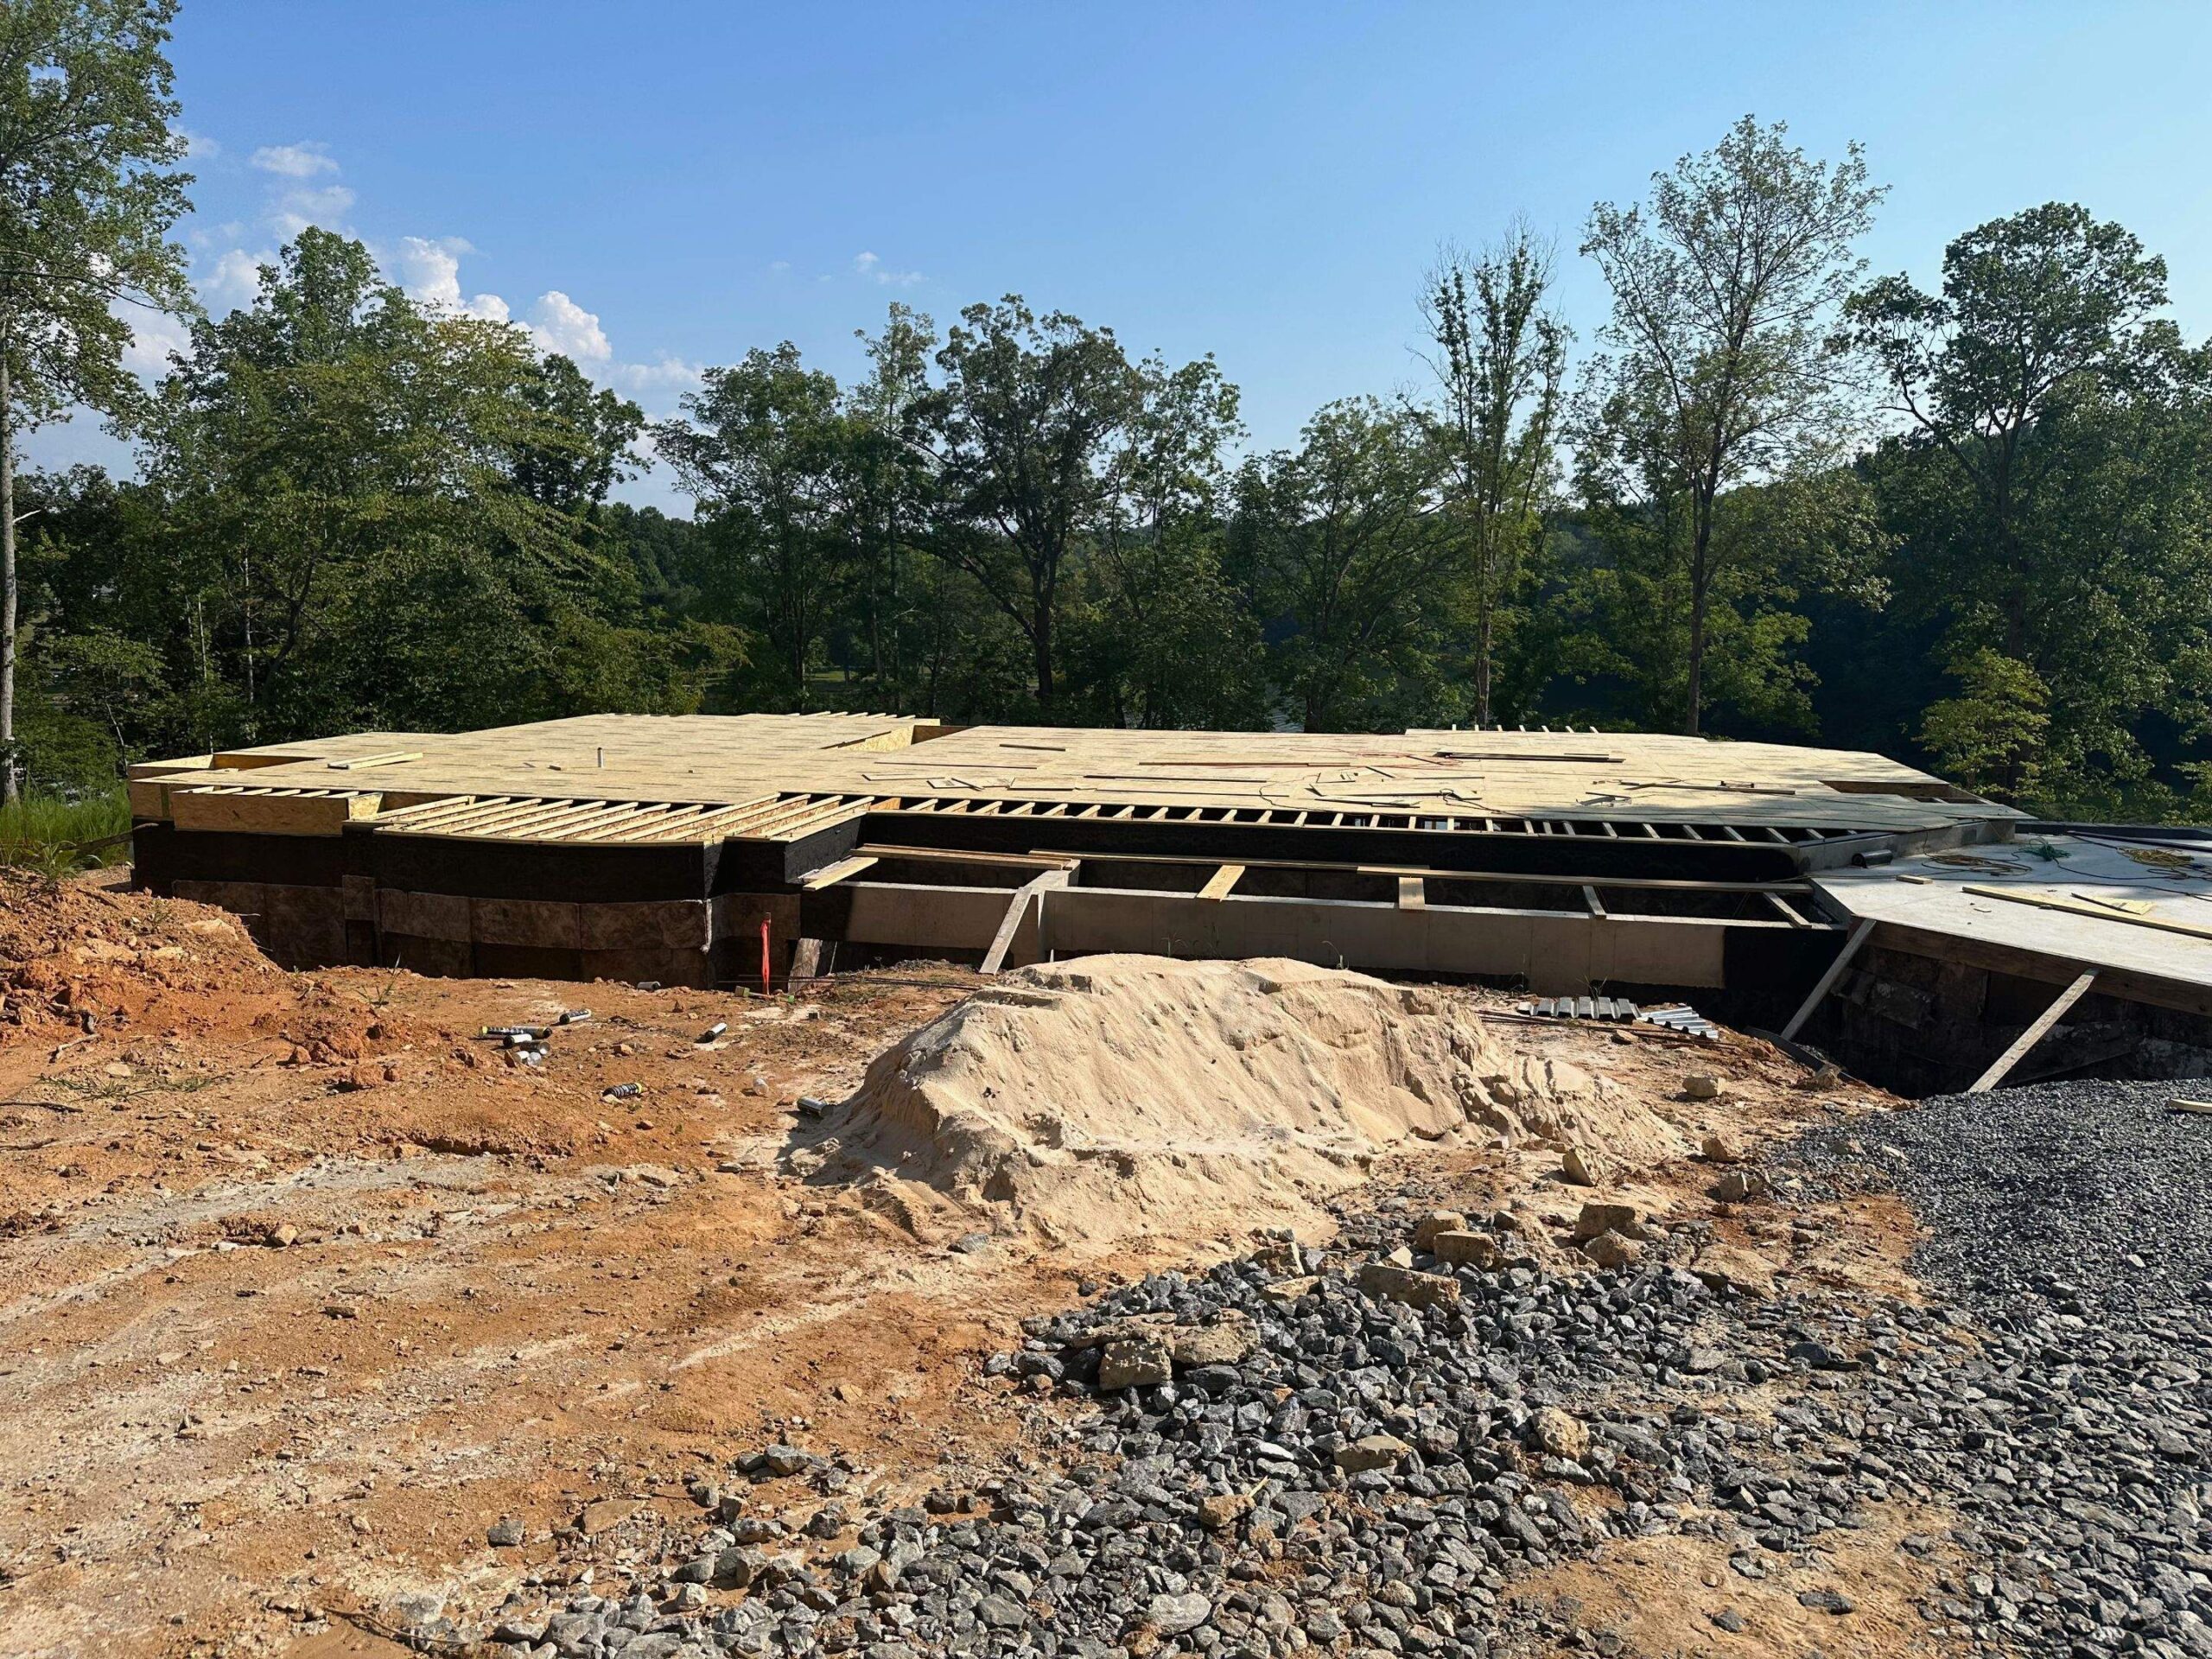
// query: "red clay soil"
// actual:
[[306, 1283]]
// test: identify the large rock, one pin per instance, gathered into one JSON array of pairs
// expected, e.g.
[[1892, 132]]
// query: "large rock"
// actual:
[[1740, 1185], [1595, 1219], [1371, 1452], [1229, 1340], [1582, 1168], [1386, 1282], [1435, 1222], [1173, 1615], [1611, 1250], [1466, 1249], [1560, 1432], [1135, 1362]]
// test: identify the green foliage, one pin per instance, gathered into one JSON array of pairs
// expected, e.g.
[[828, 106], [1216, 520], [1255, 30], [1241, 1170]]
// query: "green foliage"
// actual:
[[1718, 373], [53, 833], [1500, 363], [360, 513], [1343, 541], [88, 193], [1990, 737], [2051, 488]]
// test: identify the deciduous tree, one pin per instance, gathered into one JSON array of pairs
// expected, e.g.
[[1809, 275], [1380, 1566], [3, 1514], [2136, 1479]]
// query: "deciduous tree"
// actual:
[[89, 190], [1720, 368], [1499, 358]]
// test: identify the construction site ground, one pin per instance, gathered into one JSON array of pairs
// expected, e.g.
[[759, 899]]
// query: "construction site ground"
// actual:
[[308, 1285]]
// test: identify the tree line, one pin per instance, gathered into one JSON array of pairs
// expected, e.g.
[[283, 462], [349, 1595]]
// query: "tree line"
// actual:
[[1772, 496]]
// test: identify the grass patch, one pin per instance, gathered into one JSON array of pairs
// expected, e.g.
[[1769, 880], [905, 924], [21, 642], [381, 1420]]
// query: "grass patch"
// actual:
[[53, 835]]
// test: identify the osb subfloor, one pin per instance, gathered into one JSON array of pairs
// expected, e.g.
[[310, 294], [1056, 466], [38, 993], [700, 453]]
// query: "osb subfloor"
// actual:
[[1627, 777], [306, 1284]]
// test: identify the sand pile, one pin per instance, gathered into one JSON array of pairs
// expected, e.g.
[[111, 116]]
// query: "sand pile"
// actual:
[[1117, 1096]]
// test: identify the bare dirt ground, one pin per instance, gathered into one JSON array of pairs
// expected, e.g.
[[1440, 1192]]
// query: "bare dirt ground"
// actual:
[[304, 1284]]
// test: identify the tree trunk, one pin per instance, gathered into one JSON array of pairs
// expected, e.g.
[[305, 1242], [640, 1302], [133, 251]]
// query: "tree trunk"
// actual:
[[1482, 668], [1697, 653], [1044, 638], [9, 787]]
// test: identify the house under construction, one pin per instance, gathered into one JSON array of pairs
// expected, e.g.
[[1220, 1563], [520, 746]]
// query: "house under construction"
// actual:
[[708, 849]]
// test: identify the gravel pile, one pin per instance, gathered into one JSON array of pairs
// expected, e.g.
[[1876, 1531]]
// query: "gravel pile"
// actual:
[[2100, 1184], [1367, 1452], [1354, 1453], [2073, 1222]]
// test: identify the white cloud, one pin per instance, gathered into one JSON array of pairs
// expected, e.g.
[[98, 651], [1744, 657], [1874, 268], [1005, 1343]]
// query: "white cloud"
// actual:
[[294, 211], [666, 373], [429, 271], [152, 340], [871, 266], [233, 280], [559, 324], [294, 160], [199, 147]]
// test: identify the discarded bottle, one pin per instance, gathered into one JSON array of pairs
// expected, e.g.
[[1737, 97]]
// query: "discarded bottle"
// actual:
[[623, 1092], [574, 1016], [713, 1032]]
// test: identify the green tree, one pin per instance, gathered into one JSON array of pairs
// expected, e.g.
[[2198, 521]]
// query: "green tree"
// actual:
[[1344, 547], [344, 534], [884, 482], [1990, 737], [762, 454], [1499, 358], [1720, 369], [1169, 639], [2053, 484], [88, 193], [579, 447], [1027, 429]]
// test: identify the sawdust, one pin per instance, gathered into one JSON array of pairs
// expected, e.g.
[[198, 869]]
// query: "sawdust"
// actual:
[[1092, 1102]]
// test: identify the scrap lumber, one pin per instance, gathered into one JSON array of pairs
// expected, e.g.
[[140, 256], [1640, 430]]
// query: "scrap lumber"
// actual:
[[2074, 907], [830, 874], [2034, 1033]]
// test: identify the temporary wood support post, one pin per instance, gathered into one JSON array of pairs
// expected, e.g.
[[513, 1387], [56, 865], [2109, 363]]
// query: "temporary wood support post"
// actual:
[[2002, 1067], [1222, 880], [1030, 893], [1827, 982]]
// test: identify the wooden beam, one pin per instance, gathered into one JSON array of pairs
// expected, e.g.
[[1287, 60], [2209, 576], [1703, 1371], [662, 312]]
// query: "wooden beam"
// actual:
[[1535, 878], [1789, 911], [2034, 1033], [390, 757], [2098, 913], [830, 874], [1597, 905], [961, 855], [1826, 981], [1221, 881], [1031, 892]]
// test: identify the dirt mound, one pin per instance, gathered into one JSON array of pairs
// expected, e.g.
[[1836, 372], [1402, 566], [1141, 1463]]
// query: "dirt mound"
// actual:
[[87, 955], [1101, 1099]]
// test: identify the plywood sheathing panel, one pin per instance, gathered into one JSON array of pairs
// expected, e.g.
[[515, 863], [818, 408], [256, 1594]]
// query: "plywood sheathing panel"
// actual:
[[1930, 907], [810, 770]]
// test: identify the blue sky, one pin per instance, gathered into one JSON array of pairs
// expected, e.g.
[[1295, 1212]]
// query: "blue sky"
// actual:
[[658, 188]]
